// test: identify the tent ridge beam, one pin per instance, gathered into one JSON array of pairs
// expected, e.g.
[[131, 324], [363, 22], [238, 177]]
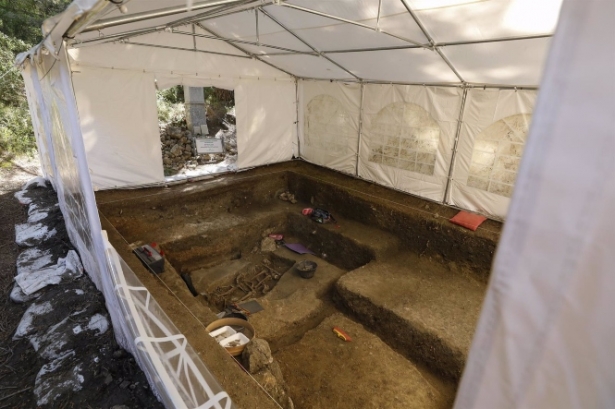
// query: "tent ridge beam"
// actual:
[[306, 43], [148, 15], [344, 20], [245, 51]]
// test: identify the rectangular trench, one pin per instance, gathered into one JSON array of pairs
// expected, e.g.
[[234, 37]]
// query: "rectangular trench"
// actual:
[[214, 231]]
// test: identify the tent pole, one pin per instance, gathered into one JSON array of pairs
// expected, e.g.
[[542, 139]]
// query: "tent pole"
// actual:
[[244, 51], [359, 50], [194, 37], [306, 43], [495, 40], [431, 40], [117, 37], [343, 20], [86, 19], [257, 34], [190, 49], [431, 84], [360, 129], [148, 15], [297, 107], [234, 40], [451, 169]]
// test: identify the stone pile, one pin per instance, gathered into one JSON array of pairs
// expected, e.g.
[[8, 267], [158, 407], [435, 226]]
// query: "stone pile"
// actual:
[[178, 147]]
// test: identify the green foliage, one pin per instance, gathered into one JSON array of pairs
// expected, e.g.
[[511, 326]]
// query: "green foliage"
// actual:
[[20, 28], [171, 108], [16, 136], [11, 85], [219, 101], [22, 19]]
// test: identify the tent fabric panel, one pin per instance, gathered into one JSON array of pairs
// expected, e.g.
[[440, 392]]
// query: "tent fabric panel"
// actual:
[[72, 175], [243, 26], [307, 66], [463, 20], [78, 205], [545, 335], [120, 151], [164, 81], [266, 129], [329, 123], [407, 137], [517, 62], [136, 7], [394, 17], [40, 122], [326, 34], [491, 142], [167, 61], [408, 65]]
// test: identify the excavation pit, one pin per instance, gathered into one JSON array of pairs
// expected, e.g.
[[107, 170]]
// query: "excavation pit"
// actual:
[[404, 283]]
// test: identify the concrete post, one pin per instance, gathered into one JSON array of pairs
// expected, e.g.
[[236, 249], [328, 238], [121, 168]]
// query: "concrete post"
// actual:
[[195, 109]]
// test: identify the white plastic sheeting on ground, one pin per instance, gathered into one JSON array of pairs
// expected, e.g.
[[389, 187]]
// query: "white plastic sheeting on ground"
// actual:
[[408, 135], [545, 337], [492, 139], [266, 128], [119, 123], [329, 123]]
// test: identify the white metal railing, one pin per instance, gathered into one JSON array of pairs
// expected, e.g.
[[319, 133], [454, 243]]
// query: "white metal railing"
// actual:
[[172, 366]]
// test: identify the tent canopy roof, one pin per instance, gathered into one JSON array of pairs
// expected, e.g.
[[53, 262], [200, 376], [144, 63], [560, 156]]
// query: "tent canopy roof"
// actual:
[[480, 42]]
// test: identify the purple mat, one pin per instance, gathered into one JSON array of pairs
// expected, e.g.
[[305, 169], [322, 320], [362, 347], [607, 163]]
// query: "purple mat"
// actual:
[[298, 248]]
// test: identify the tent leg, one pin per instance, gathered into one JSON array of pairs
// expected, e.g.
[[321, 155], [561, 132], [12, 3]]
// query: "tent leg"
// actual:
[[360, 129], [451, 169], [297, 121]]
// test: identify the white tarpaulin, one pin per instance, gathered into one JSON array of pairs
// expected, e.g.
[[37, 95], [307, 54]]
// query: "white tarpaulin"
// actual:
[[119, 123], [266, 129], [407, 137], [546, 334], [492, 138], [329, 123]]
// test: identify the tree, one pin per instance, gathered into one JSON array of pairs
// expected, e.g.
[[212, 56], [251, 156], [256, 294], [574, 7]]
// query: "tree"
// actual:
[[20, 23], [22, 19]]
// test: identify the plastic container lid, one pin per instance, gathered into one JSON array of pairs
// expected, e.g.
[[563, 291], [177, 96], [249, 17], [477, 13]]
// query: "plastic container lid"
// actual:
[[222, 333]]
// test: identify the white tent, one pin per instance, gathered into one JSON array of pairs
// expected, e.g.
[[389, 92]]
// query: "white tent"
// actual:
[[430, 97]]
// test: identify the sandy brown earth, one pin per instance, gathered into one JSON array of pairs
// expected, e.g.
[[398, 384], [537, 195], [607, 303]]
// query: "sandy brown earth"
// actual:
[[211, 229]]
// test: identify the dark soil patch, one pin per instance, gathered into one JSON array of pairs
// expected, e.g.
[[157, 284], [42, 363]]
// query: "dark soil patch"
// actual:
[[110, 375]]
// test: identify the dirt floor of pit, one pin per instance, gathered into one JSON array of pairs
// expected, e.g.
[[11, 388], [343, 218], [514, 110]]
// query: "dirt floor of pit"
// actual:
[[218, 224]]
